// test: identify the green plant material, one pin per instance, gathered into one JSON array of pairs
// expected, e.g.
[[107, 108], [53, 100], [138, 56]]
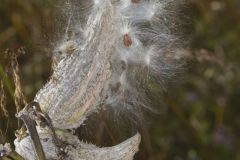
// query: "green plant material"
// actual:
[[7, 82]]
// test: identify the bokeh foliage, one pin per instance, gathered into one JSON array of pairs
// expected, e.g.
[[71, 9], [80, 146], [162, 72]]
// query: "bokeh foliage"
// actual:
[[198, 118]]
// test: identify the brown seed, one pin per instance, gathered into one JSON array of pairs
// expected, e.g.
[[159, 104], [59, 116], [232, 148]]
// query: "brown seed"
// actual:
[[127, 40], [135, 1]]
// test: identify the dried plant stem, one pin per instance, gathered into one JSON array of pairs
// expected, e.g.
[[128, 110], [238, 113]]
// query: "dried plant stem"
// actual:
[[3, 99], [20, 99]]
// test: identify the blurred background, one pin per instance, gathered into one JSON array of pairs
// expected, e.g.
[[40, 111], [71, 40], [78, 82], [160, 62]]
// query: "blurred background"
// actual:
[[198, 118]]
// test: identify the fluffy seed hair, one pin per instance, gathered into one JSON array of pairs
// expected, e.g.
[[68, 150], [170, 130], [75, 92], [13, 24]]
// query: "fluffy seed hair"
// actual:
[[139, 39]]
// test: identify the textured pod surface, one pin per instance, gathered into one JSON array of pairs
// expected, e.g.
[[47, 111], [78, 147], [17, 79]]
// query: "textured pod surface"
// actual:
[[77, 150], [80, 78]]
